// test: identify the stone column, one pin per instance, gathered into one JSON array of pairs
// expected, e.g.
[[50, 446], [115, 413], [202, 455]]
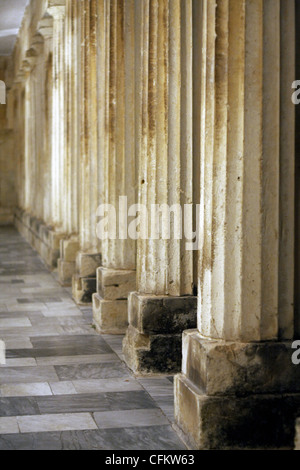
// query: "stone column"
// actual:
[[70, 245], [45, 28], [58, 118], [88, 259], [239, 387], [163, 305], [117, 277]]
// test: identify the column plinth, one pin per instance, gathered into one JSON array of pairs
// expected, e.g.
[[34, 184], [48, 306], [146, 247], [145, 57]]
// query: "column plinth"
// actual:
[[67, 261], [110, 301], [153, 340], [84, 282]]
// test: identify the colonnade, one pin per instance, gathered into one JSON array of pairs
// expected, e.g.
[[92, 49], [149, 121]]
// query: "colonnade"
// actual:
[[184, 106]]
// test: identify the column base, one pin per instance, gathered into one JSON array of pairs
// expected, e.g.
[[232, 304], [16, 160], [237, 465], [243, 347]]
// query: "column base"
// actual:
[[236, 395], [67, 262], [84, 283], [66, 271], [110, 302], [83, 289], [110, 316], [153, 341]]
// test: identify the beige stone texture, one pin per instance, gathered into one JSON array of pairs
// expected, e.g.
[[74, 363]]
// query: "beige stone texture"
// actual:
[[110, 316]]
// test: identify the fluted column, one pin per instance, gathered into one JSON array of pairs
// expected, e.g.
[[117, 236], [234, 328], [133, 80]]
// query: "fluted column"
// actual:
[[88, 258], [163, 305], [45, 28], [58, 118], [116, 277], [69, 246], [246, 224]]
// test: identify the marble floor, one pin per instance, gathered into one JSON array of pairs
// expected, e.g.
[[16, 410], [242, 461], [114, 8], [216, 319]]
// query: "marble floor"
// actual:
[[64, 386]]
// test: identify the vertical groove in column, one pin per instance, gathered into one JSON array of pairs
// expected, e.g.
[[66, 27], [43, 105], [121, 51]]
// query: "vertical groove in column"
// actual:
[[58, 118], [93, 128], [69, 121], [102, 47], [85, 211], [143, 18], [75, 131], [252, 219], [235, 166], [206, 181], [287, 172], [297, 178], [271, 170]]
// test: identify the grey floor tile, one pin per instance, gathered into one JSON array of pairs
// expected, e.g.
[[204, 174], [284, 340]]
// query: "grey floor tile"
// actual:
[[14, 323], [63, 388], [111, 401], [158, 386], [130, 419], [17, 406], [106, 385], [58, 422], [28, 374], [25, 389], [92, 371], [23, 362], [9, 426], [77, 359]]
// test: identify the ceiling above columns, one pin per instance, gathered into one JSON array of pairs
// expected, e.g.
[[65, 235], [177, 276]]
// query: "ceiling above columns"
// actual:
[[11, 15]]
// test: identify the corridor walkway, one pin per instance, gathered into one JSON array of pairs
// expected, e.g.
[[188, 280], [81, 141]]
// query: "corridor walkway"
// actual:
[[63, 386]]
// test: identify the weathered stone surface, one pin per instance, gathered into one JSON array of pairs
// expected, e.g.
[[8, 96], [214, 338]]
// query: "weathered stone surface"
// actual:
[[152, 314], [87, 264], [264, 421], [114, 284], [225, 368], [66, 271], [69, 249], [157, 354], [67, 261], [154, 337], [110, 316], [82, 289]]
